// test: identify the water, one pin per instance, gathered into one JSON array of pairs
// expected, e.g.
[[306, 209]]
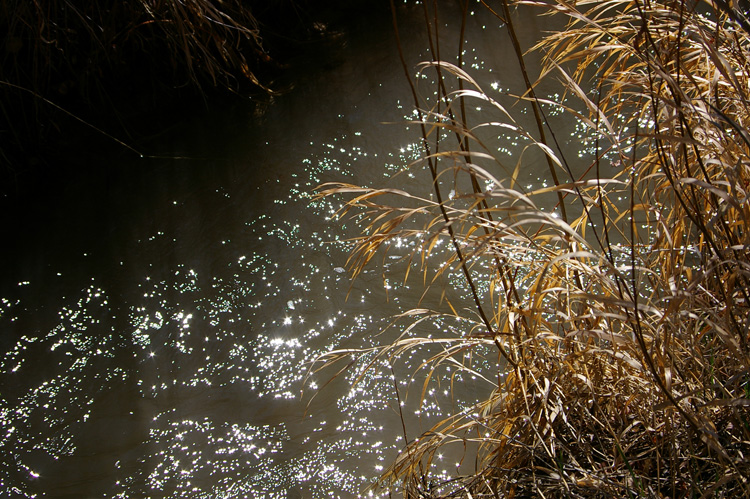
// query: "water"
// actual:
[[160, 317]]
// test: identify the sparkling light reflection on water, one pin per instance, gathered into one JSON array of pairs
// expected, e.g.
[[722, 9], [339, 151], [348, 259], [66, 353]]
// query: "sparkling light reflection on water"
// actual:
[[177, 365]]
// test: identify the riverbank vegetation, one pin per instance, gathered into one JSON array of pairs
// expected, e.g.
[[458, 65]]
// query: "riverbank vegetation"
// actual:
[[616, 298], [89, 60], [68, 69]]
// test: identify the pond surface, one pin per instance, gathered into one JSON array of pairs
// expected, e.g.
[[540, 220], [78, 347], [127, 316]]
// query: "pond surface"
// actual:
[[159, 317]]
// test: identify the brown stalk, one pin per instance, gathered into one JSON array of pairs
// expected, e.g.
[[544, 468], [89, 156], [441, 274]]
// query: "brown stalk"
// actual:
[[507, 19], [438, 196]]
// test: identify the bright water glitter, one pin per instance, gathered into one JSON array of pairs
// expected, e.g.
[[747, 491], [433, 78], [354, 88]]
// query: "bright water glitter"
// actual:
[[183, 366]]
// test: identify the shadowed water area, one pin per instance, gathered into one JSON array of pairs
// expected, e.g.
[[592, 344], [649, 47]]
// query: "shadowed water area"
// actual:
[[159, 317]]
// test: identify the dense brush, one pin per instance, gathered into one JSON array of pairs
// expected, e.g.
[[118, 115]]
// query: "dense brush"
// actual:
[[620, 318]]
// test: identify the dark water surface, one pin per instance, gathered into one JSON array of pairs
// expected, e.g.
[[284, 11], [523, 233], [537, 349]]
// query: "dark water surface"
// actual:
[[158, 318]]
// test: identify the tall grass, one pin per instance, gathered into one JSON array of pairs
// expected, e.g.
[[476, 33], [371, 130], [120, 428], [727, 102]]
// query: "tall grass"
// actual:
[[620, 318]]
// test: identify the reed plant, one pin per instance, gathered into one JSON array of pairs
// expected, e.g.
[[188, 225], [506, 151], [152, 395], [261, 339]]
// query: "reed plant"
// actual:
[[619, 317]]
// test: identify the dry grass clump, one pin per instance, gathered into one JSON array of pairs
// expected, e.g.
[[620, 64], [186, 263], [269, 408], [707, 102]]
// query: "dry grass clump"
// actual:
[[620, 318]]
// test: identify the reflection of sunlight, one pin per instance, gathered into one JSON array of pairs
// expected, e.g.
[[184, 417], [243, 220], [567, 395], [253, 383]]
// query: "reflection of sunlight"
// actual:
[[207, 457]]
